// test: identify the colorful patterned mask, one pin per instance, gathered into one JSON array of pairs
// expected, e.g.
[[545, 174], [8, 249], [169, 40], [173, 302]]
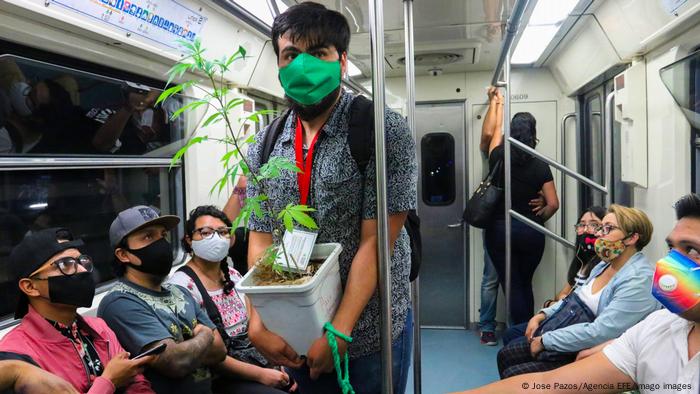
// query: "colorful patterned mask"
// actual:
[[609, 250], [677, 282]]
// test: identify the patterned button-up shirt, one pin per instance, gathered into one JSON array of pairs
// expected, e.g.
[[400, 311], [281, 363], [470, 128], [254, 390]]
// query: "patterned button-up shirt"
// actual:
[[342, 197]]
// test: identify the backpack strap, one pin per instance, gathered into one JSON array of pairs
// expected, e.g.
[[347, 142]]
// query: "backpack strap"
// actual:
[[361, 131], [209, 306], [273, 132]]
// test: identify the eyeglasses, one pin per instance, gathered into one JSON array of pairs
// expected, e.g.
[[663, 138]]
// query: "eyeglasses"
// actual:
[[584, 226], [206, 232], [606, 229], [69, 265]]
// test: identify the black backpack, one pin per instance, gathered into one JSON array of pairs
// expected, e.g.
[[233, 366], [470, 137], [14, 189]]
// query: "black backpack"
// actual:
[[361, 142]]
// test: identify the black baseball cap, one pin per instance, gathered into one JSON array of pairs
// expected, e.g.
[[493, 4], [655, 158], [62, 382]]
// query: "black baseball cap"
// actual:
[[136, 218], [33, 252]]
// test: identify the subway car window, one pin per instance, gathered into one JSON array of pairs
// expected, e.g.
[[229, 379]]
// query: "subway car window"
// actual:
[[46, 109], [438, 175], [83, 200]]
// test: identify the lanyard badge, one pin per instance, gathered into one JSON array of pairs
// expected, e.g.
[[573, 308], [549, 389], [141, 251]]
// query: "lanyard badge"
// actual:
[[304, 177]]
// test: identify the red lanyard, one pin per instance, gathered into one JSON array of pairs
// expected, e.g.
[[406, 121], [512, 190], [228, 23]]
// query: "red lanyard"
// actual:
[[304, 178]]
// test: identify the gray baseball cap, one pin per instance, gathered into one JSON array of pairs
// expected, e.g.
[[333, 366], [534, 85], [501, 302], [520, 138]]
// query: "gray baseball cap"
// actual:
[[136, 218]]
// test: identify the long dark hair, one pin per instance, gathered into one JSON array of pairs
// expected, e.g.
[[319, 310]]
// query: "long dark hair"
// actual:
[[523, 128], [208, 210], [577, 263]]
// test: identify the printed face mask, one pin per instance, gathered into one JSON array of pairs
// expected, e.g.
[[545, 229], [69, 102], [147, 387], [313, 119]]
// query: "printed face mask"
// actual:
[[586, 246], [308, 79], [609, 250], [156, 258], [677, 282], [77, 289], [213, 249]]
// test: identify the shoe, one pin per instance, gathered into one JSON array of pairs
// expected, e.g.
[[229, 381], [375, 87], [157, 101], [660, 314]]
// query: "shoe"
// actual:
[[488, 338]]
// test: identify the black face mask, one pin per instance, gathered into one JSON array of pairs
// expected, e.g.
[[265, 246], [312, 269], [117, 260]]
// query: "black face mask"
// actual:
[[156, 258], [308, 112], [586, 247], [77, 289]]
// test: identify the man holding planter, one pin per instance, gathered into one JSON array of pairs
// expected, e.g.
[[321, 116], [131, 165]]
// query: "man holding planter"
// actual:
[[311, 44]]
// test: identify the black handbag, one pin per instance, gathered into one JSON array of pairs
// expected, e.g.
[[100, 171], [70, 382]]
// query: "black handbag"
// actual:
[[483, 203], [572, 311]]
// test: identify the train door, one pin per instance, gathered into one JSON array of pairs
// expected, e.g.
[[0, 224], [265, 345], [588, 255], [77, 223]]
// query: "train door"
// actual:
[[441, 147], [592, 149]]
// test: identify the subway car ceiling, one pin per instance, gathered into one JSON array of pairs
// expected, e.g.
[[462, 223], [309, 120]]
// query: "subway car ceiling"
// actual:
[[457, 45]]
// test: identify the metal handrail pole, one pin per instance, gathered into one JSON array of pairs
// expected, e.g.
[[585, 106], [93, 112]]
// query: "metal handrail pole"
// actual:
[[558, 166], [609, 119], [562, 139], [512, 27], [383, 251], [507, 189], [544, 230], [411, 118]]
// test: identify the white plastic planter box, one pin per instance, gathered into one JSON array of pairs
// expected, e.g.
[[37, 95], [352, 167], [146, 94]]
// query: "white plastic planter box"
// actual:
[[297, 313]]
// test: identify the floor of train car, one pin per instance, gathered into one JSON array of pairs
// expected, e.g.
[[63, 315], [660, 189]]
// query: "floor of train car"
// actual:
[[454, 360]]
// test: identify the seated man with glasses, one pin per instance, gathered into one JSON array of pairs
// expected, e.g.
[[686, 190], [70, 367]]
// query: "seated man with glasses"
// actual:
[[144, 312], [54, 279]]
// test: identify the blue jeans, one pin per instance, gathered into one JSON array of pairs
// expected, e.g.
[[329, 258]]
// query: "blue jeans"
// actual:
[[489, 295], [514, 332], [365, 372], [527, 249]]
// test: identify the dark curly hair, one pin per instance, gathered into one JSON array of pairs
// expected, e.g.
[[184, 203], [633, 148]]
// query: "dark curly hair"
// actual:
[[523, 128], [208, 210], [313, 23]]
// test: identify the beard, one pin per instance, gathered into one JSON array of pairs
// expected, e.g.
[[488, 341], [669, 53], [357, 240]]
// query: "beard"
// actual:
[[308, 112]]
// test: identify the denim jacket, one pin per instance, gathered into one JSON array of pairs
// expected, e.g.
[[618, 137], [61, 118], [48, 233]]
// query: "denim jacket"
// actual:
[[624, 302]]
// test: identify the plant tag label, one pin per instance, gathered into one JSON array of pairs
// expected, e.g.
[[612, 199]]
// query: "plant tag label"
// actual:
[[299, 245]]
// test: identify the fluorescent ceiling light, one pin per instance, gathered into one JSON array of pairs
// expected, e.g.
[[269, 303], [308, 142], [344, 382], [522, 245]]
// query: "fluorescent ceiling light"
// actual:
[[259, 9], [40, 205], [353, 70], [532, 43], [544, 23], [550, 12]]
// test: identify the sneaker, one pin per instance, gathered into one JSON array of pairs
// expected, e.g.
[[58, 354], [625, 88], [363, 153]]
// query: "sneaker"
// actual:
[[488, 338]]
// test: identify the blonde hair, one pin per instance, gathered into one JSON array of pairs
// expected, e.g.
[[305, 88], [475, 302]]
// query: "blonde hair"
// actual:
[[633, 221]]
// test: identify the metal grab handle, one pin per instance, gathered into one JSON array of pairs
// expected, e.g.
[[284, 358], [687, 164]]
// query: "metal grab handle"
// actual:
[[455, 225], [562, 138]]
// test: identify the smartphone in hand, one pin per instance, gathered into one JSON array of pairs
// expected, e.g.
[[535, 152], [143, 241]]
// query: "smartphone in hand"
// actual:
[[151, 352]]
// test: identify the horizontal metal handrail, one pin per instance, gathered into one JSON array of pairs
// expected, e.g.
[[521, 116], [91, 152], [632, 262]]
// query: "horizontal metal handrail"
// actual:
[[9, 163], [559, 166], [542, 229]]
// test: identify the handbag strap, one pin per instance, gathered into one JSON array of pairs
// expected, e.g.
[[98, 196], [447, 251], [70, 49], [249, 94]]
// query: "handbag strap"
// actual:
[[212, 310], [495, 175]]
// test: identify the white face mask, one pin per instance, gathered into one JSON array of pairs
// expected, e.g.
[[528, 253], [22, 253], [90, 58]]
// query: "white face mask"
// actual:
[[18, 98], [213, 249]]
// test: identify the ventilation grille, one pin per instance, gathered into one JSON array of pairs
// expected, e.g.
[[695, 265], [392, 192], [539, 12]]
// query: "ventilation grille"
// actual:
[[434, 59]]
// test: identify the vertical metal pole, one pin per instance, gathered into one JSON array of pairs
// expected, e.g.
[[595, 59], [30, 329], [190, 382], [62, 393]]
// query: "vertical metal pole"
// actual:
[[609, 119], [562, 138], [383, 255], [411, 116], [507, 189]]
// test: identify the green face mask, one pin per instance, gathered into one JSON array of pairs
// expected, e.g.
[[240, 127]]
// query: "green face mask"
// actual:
[[308, 79]]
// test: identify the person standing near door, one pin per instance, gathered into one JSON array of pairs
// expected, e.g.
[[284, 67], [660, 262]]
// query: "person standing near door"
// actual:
[[311, 44], [529, 176]]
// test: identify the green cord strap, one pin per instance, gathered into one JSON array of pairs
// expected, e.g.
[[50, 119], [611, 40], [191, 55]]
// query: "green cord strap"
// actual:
[[331, 334]]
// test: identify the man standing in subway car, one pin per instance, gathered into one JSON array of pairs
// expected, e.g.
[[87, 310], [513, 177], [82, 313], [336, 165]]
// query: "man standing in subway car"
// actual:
[[311, 45]]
